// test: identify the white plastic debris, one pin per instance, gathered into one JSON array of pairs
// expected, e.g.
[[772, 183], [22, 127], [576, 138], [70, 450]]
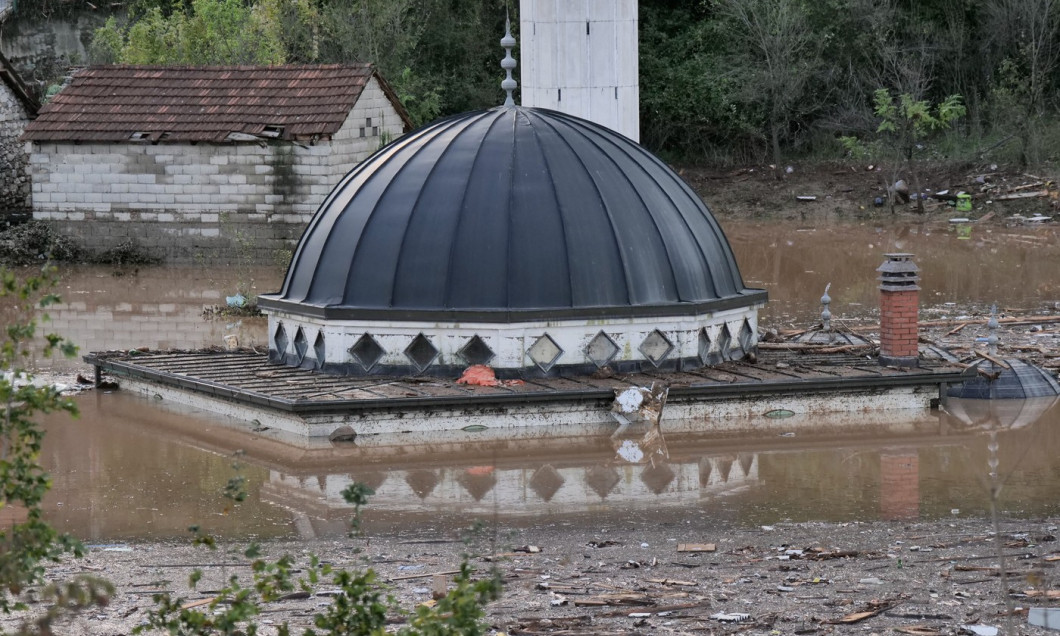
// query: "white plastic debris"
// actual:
[[735, 617], [980, 630], [630, 400], [1047, 617]]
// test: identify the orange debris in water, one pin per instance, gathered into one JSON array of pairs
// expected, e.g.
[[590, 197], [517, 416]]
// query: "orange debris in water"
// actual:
[[482, 375], [479, 375]]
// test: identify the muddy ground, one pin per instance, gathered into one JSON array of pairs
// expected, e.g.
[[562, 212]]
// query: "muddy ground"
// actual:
[[825, 192], [810, 578]]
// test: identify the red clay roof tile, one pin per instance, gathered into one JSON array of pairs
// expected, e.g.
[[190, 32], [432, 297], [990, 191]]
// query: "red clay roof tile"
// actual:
[[203, 103]]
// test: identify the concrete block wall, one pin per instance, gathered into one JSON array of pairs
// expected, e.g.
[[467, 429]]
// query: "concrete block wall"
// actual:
[[372, 121], [15, 181], [233, 202]]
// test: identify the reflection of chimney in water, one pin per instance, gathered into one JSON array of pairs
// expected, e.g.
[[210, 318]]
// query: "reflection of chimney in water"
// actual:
[[899, 486], [899, 306]]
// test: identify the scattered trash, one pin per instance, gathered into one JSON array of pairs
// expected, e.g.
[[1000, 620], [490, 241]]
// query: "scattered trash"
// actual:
[[871, 581], [696, 547], [900, 191], [806, 198], [342, 434], [239, 300], [979, 630], [439, 586], [640, 406], [479, 375], [877, 608], [1047, 617], [734, 617], [964, 202]]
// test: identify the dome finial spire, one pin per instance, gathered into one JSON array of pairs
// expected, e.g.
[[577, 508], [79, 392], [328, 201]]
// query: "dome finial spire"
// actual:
[[508, 63]]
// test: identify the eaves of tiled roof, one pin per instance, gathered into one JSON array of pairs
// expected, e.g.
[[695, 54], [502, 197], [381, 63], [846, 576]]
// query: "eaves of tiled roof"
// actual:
[[204, 103]]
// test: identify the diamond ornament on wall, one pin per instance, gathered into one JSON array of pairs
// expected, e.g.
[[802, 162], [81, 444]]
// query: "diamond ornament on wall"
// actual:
[[746, 337], [367, 352], [301, 345], [476, 351], [601, 349], [280, 339], [656, 347], [544, 352], [724, 342], [318, 349], [421, 352], [704, 347]]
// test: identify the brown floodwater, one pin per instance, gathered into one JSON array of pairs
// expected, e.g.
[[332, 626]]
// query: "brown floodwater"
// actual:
[[1016, 268], [130, 468]]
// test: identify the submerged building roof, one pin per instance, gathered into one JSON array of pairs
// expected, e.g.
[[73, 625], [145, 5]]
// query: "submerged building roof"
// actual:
[[512, 214], [205, 103]]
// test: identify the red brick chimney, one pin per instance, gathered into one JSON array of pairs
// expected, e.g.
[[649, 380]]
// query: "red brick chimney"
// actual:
[[899, 307]]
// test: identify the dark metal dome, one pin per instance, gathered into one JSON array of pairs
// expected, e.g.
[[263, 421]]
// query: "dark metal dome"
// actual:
[[510, 214], [1017, 380]]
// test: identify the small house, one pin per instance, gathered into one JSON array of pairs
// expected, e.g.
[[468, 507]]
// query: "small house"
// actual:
[[216, 163], [17, 108]]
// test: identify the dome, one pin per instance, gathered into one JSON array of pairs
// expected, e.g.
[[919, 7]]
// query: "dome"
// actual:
[[512, 213], [527, 239], [1017, 380]]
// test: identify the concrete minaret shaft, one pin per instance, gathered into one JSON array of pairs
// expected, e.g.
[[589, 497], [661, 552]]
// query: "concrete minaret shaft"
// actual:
[[580, 57]]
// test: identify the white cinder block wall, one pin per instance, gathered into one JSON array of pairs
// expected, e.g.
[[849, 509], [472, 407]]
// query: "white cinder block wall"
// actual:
[[185, 202]]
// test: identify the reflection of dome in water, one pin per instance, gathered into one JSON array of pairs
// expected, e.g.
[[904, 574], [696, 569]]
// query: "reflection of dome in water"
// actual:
[[1000, 398], [999, 414], [522, 238]]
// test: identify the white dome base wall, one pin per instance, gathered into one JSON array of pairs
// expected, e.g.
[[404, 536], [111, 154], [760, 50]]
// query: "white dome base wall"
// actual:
[[530, 349]]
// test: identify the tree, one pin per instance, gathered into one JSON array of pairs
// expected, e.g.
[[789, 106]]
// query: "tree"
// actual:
[[30, 542], [687, 96], [905, 124], [777, 56], [212, 32], [1026, 37]]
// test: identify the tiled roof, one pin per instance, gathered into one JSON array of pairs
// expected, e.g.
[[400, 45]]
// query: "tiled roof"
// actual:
[[14, 82], [203, 103]]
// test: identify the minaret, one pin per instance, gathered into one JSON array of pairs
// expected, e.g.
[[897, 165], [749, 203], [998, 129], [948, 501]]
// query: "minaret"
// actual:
[[580, 57]]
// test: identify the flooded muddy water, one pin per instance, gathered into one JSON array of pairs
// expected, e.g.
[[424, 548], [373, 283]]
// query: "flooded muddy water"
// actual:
[[129, 468], [126, 469], [163, 307]]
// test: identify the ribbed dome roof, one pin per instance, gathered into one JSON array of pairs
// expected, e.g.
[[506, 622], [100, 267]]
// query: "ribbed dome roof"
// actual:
[[509, 214]]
